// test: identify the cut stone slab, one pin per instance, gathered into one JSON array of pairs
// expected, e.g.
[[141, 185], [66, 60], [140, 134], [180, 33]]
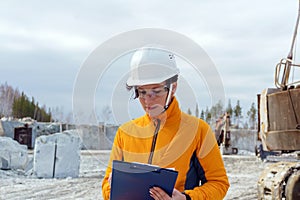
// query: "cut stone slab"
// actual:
[[12, 154], [57, 155]]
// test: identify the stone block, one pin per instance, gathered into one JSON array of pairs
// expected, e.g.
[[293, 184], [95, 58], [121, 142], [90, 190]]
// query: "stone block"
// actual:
[[12, 154], [57, 155]]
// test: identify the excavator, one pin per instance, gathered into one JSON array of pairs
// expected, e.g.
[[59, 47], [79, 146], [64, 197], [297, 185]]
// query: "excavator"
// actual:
[[279, 131], [222, 133]]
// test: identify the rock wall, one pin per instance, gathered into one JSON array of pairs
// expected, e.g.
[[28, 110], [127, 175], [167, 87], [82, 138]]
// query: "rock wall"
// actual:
[[93, 137], [8, 127], [1, 129], [97, 137], [101, 137], [244, 139]]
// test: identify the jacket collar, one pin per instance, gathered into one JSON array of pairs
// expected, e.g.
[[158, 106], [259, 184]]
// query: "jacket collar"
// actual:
[[168, 117]]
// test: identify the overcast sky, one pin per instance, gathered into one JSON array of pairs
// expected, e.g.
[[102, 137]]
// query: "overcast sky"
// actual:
[[44, 43]]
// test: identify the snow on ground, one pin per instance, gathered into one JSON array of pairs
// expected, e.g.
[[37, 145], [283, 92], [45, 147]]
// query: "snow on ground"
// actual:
[[243, 172]]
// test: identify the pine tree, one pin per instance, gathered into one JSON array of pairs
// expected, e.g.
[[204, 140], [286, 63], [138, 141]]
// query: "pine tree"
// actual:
[[202, 116], [197, 111], [22, 107], [207, 116], [237, 112], [229, 109], [189, 111], [252, 115], [217, 110]]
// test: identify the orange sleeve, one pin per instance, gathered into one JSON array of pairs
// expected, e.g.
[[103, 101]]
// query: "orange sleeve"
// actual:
[[217, 181], [106, 185], [116, 154]]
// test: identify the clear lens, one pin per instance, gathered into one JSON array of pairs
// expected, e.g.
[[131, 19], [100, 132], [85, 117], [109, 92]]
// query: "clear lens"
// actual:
[[152, 93]]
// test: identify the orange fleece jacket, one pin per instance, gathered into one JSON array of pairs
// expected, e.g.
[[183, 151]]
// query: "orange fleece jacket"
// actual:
[[180, 135]]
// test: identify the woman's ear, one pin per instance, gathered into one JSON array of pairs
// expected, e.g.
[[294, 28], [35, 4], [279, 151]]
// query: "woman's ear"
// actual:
[[174, 88]]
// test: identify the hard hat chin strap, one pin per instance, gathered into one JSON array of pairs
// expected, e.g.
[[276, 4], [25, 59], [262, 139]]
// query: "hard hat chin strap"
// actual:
[[168, 100]]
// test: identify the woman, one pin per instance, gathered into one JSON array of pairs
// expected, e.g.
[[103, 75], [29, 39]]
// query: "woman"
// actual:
[[166, 136]]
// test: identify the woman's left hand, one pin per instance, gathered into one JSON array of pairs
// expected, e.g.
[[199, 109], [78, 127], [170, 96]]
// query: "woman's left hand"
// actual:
[[159, 194]]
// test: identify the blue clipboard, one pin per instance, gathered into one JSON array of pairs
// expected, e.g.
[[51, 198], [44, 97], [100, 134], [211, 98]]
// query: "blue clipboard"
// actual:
[[132, 181]]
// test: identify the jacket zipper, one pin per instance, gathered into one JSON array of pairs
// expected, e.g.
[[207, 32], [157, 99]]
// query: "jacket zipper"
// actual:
[[154, 141]]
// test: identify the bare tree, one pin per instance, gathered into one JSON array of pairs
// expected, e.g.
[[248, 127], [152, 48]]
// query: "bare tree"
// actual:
[[69, 118], [106, 114], [57, 114], [7, 96]]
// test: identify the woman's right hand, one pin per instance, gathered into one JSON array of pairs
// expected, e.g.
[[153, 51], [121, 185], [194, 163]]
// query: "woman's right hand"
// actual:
[[109, 179]]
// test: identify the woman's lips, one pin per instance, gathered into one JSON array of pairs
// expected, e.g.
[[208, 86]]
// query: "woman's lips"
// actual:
[[151, 107], [154, 110]]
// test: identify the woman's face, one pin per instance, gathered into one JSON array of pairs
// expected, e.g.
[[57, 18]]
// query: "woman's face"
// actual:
[[153, 97]]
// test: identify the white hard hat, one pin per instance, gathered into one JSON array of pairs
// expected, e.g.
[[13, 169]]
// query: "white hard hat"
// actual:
[[151, 65]]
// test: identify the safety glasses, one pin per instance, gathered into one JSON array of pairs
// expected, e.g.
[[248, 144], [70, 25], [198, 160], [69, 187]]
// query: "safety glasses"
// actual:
[[152, 93]]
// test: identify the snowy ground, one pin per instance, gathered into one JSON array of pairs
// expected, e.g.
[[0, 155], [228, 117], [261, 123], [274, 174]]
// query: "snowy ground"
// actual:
[[243, 172]]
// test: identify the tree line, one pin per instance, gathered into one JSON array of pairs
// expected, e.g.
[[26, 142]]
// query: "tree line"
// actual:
[[16, 104], [210, 115]]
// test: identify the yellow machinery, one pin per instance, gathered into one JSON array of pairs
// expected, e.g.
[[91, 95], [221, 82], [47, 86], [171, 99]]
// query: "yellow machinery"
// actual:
[[279, 131]]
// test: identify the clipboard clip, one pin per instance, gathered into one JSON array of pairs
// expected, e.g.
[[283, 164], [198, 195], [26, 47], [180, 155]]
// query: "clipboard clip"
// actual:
[[145, 167]]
